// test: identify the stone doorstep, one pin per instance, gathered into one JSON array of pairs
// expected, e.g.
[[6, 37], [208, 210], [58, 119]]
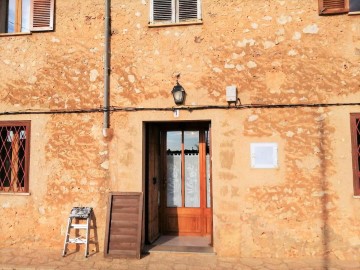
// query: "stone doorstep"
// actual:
[[180, 249]]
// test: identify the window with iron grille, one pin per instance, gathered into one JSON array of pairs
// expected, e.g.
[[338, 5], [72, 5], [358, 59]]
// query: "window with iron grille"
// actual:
[[355, 141], [14, 156], [175, 11]]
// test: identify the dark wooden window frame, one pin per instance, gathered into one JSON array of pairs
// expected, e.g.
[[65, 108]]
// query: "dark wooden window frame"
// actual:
[[355, 146], [24, 158]]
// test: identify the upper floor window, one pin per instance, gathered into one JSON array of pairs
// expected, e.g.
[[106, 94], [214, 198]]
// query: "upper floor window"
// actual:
[[14, 156], [24, 16], [175, 11], [327, 7], [355, 142]]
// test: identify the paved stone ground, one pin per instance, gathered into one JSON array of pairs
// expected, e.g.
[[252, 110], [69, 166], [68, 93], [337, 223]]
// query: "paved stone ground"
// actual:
[[50, 259]]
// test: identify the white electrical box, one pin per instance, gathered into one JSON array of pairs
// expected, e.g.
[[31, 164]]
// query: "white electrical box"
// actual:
[[231, 93]]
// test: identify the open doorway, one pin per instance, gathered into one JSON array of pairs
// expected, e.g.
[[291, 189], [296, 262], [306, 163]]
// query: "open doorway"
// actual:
[[178, 184]]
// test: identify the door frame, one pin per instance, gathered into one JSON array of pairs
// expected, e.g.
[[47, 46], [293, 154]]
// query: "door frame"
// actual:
[[171, 125]]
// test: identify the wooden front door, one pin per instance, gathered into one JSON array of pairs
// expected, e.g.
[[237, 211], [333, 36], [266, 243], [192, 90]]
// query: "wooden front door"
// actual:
[[153, 183], [185, 189]]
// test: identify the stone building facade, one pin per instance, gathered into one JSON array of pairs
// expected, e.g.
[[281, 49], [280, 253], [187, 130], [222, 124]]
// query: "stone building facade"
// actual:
[[297, 80]]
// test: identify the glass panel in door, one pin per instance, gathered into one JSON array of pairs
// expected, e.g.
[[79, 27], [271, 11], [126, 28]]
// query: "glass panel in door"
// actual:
[[173, 161], [192, 169]]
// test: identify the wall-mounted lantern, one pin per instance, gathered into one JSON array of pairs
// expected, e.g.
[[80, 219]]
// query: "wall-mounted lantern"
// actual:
[[178, 92]]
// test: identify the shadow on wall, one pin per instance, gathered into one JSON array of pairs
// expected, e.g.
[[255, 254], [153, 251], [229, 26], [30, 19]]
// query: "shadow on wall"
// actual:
[[325, 197], [94, 240]]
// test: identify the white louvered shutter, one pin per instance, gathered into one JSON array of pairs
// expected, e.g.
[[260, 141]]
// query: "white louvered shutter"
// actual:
[[42, 15], [162, 11], [187, 10]]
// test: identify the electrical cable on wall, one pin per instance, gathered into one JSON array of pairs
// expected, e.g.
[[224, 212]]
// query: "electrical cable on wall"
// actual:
[[183, 108]]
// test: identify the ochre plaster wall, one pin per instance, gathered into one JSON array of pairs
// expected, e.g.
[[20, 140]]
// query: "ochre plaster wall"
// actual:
[[275, 52]]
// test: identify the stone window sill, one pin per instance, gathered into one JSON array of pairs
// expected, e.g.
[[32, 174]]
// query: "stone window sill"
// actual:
[[15, 34], [153, 25], [356, 196], [15, 193]]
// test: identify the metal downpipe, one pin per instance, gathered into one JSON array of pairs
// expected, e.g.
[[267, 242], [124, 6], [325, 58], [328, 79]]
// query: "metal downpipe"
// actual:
[[106, 123]]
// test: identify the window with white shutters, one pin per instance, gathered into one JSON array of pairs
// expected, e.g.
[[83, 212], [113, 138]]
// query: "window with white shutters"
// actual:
[[25, 16], [174, 11]]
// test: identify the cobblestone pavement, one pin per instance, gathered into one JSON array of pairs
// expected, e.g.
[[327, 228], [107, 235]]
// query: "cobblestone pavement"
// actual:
[[50, 259]]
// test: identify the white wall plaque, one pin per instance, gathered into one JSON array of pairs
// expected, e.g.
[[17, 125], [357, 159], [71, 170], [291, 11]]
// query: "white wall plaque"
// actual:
[[264, 155]]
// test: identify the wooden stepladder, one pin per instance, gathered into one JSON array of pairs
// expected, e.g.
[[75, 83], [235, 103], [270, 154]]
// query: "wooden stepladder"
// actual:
[[78, 213]]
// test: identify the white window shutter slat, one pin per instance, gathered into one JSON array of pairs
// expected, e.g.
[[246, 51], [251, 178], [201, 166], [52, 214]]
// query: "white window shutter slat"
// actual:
[[42, 15]]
